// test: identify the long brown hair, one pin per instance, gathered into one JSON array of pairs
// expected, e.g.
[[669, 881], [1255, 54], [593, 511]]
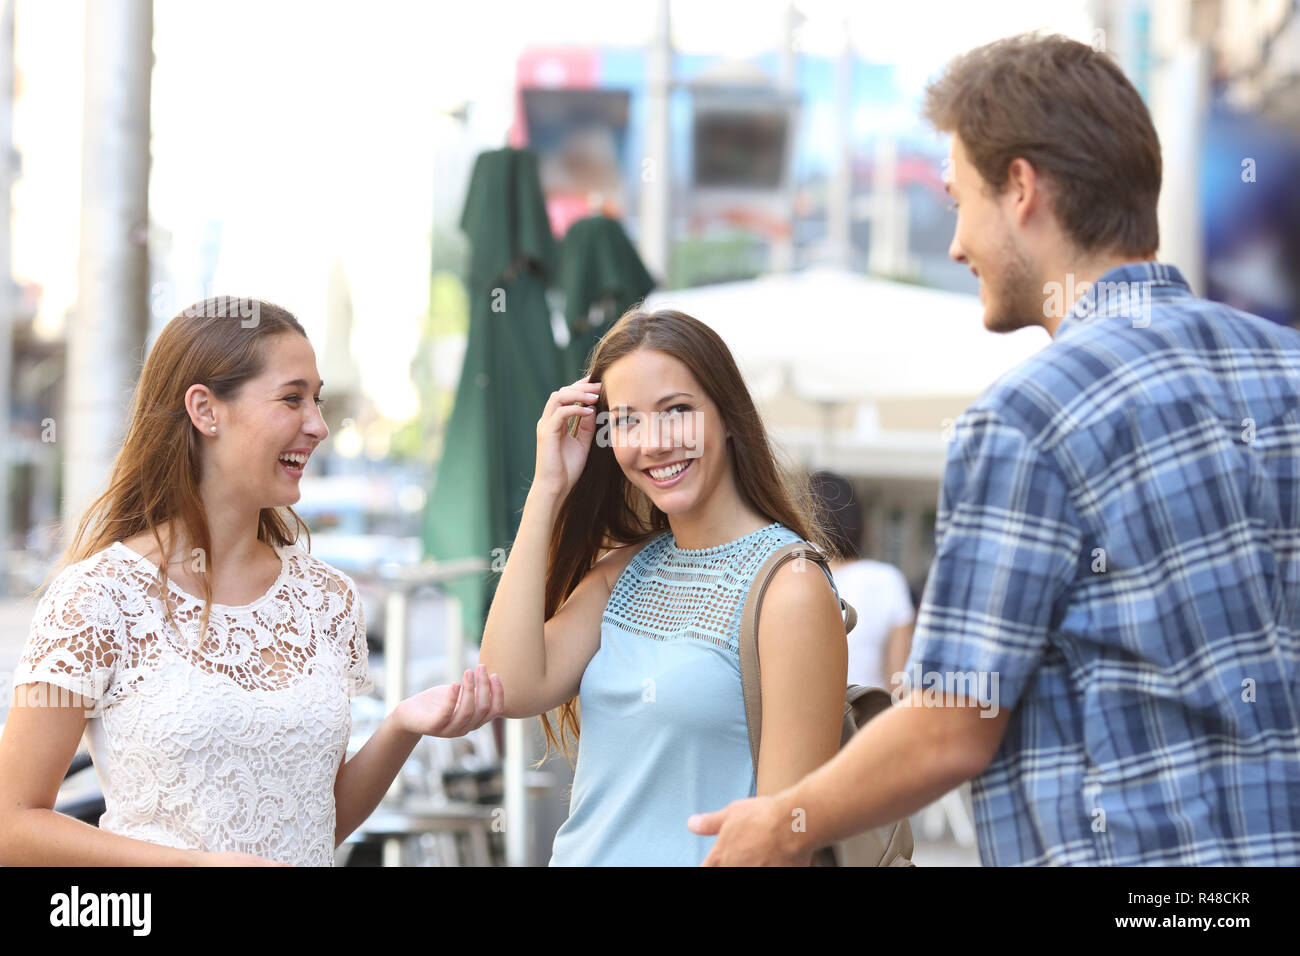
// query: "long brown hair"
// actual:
[[604, 510], [155, 476]]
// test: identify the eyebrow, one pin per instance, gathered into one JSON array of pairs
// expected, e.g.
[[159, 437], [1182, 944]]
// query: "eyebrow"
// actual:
[[301, 383], [666, 398], [671, 396]]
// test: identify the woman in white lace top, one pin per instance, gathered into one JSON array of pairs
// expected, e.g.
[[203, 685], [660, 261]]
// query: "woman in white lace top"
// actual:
[[206, 655]]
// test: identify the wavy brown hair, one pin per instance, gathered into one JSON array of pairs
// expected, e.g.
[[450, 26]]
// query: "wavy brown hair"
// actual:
[[604, 510], [155, 476]]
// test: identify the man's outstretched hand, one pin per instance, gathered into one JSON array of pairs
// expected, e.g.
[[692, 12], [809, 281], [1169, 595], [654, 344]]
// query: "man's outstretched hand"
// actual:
[[752, 832]]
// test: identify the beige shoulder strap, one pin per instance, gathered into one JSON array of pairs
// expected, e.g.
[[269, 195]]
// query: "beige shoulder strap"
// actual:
[[749, 665]]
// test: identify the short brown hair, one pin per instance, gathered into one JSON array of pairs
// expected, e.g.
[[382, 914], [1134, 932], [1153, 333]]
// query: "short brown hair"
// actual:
[[1070, 111]]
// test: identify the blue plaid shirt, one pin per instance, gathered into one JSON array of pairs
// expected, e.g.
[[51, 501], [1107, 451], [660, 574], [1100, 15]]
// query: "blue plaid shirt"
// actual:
[[1118, 557]]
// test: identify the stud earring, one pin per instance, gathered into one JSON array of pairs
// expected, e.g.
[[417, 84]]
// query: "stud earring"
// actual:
[[213, 428]]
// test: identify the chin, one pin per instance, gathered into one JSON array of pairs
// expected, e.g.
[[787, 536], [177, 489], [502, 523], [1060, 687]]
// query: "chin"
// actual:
[[673, 504], [671, 501], [1000, 321]]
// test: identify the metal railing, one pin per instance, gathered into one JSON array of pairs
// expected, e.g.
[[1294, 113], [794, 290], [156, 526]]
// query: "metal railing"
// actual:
[[403, 814]]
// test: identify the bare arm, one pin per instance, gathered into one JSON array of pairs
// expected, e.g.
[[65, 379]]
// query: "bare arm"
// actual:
[[541, 662], [40, 738], [803, 655]]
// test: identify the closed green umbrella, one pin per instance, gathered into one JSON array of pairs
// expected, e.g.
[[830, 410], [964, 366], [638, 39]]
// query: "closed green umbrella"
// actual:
[[599, 267], [511, 367]]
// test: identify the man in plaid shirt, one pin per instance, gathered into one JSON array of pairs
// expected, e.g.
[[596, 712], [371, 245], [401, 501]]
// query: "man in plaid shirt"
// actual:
[[1109, 640]]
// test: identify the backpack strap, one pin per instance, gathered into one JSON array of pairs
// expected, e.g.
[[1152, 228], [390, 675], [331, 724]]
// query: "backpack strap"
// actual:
[[749, 666]]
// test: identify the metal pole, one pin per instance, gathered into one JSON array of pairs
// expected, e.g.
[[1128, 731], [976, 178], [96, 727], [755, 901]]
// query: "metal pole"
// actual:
[[395, 643], [1179, 97], [781, 255], [518, 823], [455, 649], [888, 253], [8, 299], [656, 171], [395, 621], [838, 211], [109, 325]]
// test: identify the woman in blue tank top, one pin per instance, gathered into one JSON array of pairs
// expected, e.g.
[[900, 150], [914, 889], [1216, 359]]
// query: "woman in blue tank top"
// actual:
[[656, 498]]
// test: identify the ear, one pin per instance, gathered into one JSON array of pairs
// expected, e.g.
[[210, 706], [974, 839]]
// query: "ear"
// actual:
[[1024, 190], [200, 405]]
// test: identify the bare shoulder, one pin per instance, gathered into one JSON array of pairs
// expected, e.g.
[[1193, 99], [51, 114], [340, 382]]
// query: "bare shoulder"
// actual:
[[800, 587], [145, 543], [613, 562], [141, 543]]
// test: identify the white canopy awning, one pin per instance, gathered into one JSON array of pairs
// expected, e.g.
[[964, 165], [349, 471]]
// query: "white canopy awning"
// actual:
[[831, 335]]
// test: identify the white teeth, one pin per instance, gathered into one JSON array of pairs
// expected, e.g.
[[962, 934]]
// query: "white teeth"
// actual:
[[663, 474], [296, 458]]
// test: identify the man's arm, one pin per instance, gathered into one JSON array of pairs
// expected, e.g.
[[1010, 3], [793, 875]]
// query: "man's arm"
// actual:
[[903, 760]]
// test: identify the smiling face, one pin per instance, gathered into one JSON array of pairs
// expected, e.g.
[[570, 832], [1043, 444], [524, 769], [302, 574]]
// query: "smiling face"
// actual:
[[266, 432], [986, 240], [667, 434]]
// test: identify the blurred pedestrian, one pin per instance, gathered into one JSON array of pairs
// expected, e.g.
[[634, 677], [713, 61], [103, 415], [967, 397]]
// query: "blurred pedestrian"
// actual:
[[879, 644]]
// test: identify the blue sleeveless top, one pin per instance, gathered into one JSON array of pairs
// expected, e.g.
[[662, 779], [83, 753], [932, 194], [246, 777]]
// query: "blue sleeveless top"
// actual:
[[663, 732]]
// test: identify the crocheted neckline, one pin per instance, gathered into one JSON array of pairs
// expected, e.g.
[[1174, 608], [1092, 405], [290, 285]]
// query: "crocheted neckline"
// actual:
[[696, 552], [231, 608]]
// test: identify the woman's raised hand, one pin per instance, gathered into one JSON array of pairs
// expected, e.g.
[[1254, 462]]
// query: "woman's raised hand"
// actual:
[[560, 456], [453, 710]]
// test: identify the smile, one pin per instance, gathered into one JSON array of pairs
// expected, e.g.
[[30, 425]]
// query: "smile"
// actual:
[[293, 462], [666, 475]]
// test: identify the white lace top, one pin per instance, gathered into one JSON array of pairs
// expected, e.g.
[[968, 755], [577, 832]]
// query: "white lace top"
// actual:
[[231, 746]]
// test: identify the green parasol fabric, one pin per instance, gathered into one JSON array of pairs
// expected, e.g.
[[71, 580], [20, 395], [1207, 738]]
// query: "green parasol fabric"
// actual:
[[511, 367], [600, 271]]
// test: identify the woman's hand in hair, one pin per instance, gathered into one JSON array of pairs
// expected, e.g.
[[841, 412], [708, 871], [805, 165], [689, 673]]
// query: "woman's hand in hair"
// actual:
[[453, 710], [561, 456]]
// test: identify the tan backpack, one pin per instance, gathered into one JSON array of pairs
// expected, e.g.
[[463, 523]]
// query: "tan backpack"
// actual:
[[886, 846]]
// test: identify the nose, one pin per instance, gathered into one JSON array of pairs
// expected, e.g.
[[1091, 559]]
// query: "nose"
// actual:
[[955, 252], [315, 426], [659, 437]]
